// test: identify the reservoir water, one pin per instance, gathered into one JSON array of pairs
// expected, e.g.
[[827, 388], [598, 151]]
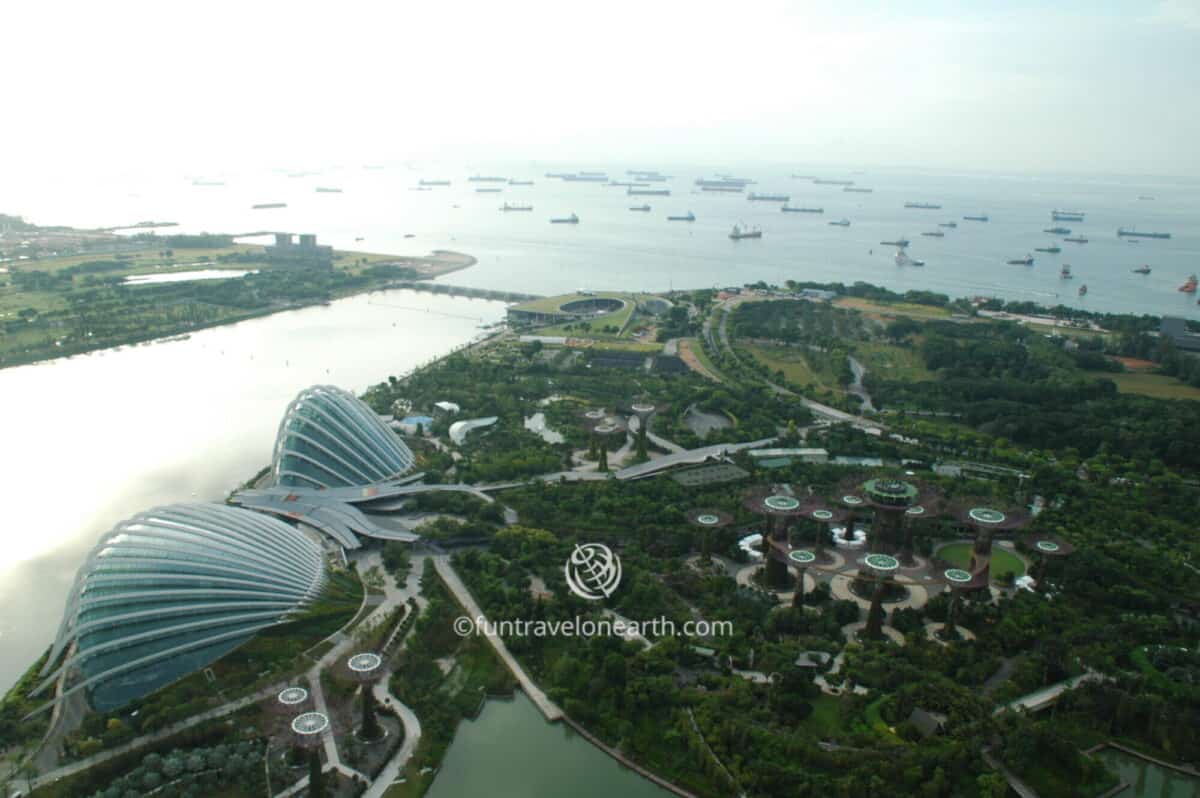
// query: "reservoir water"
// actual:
[[510, 751], [93, 439], [1146, 779]]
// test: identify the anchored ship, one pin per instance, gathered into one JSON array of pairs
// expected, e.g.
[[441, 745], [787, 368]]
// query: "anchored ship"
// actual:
[[787, 209], [1025, 261], [1083, 290], [923, 206], [434, 183], [487, 179], [1131, 233], [726, 189], [902, 259], [586, 177], [768, 197], [648, 192], [515, 182], [1065, 272], [643, 208], [1143, 269], [1058, 231], [262, 206], [1053, 249], [819, 182], [975, 218], [488, 190], [572, 219], [899, 242], [858, 190], [741, 231], [1189, 286], [935, 234], [691, 217], [1066, 216], [841, 223], [1076, 239], [515, 207], [951, 225]]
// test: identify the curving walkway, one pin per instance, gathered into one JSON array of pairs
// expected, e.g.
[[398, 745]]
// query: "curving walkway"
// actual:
[[933, 627]]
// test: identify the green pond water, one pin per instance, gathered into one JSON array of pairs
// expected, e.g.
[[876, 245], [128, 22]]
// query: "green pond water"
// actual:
[[1145, 779], [511, 751]]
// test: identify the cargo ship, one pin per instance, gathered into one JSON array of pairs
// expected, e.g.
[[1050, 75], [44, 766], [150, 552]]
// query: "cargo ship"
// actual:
[[858, 190], [935, 234], [1065, 272], [899, 242], [653, 178], [690, 217], [725, 189], [975, 218], [703, 182], [1143, 269], [648, 192], [768, 197], [739, 232], [1025, 261], [1083, 290], [841, 223], [820, 182], [328, 190], [787, 209], [1076, 239], [487, 179], [802, 177], [951, 225], [1058, 231], [515, 207], [642, 208], [1053, 249], [1130, 233], [488, 190], [1189, 286], [516, 182], [572, 219], [585, 177], [262, 206], [1066, 216], [434, 183], [923, 206], [902, 259]]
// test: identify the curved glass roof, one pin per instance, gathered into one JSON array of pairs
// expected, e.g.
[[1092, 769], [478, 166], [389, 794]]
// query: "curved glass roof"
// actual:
[[173, 589], [330, 438]]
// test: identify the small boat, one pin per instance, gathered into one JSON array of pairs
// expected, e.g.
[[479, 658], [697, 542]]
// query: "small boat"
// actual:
[[951, 225], [1065, 272], [1083, 290], [690, 217], [1058, 231], [410, 235], [1189, 286], [642, 208], [1053, 249], [902, 259], [1076, 240], [1143, 269], [980, 218], [358, 238], [1025, 261], [899, 242], [572, 219], [841, 223], [515, 207], [787, 209], [740, 231], [935, 234]]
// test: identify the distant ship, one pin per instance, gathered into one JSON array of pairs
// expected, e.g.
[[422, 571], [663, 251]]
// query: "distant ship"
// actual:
[[935, 234], [328, 190], [899, 242], [923, 206], [975, 218], [841, 223], [1123, 232], [208, 182], [643, 208], [739, 232], [262, 206], [434, 183], [1143, 269], [722, 183], [858, 190], [1065, 272], [515, 207], [768, 197], [802, 177], [1066, 216], [735, 189], [572, 219], [1189, 287], [653, 178], [951, 225], [691, 217], [902, 259], [1025, 261], [586, 177], [1083, 290], [1053, 249], [1076, 239], [515, 182], [787, 209], [487, 179], [818, 181], [1058, 231], [488, 190], [649, 192], [1145, 197]]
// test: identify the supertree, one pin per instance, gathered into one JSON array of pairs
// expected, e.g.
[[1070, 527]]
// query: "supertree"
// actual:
[[707, 520], [364, 668], [778, 506]]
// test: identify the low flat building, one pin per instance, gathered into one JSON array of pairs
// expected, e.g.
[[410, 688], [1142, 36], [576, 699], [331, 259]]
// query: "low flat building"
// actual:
[[1178, 331]]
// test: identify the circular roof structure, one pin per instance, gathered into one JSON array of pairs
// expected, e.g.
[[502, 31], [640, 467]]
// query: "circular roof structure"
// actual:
[[802, 556], [643, 407], [595, 415], [881, 562], [364, 663], [822, 515], [986, 515], [981, 514], [777, 502], [310, 724], [605, 429], [957, 576], [708, 517], [772, 500], [890, 492], [916, 509], [291, 696], [851, 500], [1048, 545]]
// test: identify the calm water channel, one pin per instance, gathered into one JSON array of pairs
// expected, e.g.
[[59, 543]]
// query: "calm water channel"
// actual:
[[1147, 780], [93, 439]]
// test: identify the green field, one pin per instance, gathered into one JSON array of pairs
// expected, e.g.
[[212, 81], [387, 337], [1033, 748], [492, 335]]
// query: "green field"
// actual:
[[1158, 386], [794, 365], [914, 310], [892, 362], [1003, 561]]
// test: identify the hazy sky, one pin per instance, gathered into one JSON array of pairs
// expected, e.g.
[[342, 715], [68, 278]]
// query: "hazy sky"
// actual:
[[1088, 86]]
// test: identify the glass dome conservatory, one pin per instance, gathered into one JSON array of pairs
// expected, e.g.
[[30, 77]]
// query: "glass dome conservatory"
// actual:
[[173, 589], [330, 438]]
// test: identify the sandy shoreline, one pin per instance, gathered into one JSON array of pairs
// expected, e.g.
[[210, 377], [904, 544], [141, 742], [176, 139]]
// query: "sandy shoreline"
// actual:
[[435, 264]]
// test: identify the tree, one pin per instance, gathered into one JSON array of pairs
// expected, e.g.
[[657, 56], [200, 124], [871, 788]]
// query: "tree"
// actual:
[[370, 723]]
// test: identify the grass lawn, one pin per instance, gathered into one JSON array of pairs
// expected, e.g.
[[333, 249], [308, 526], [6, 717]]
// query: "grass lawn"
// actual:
[[794, 365], [892, 309], [826, 718], [893, 362], [1003, 561], [1158, 386], [696, 347]]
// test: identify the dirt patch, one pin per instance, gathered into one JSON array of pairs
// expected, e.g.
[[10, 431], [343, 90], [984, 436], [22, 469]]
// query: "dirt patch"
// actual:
[[1135, 364]]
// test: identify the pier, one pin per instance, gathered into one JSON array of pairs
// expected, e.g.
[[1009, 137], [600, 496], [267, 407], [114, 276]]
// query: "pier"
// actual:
[[457, 290]]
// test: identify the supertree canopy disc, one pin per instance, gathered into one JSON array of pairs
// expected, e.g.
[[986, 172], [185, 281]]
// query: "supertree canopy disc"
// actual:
[[291, 696], [957, 577], [594, 415], [772, 501], [884, 563], [984, 516], [365, 663], [642, 408], [708, 518], [1048, 545], [802, 557], [890, 492], [310, 724]]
